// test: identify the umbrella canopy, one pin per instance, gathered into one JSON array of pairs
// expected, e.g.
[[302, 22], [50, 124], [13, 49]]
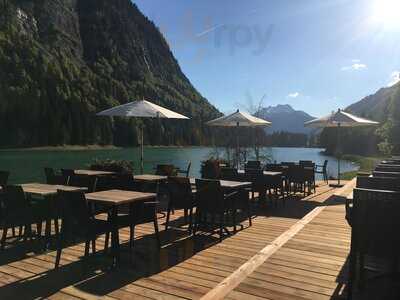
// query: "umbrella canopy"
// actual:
[[141, 109], [238, 119], [340, 118]]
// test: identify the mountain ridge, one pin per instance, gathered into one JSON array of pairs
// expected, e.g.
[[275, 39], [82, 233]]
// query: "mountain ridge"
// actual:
[[285, 118]]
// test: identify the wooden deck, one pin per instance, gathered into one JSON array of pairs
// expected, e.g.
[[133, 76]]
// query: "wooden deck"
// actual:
[[294, 252]]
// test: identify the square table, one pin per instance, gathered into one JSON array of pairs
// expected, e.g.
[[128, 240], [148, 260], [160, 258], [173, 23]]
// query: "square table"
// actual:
[[93, 173], [45, 190], [228, 184], [266, 173], [150, 178], [115, 199]]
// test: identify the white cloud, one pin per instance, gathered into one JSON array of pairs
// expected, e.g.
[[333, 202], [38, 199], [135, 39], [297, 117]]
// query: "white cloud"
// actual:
[[394, 78], [355, 67], [355, 60], [294, 95]]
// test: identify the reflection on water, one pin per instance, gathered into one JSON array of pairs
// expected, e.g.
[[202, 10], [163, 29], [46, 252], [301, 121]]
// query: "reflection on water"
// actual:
[[28, 165]]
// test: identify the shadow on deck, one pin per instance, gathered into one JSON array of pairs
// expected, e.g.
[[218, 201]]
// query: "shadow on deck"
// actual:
[[27, 273]]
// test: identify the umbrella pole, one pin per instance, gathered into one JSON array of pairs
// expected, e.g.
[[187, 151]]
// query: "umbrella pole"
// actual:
[[141, 149], [339, 154], [237, 147]]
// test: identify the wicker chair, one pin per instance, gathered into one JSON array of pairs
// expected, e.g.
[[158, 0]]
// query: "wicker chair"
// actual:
[[374, 232], [253, 164], [212, 203], [53, 178], [78, 222], [229, 174], [18, 211], [322, 169], [180, 197]]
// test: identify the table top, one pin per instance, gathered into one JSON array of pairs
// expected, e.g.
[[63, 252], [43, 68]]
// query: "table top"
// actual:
[[93, 172], [41, 189], [227, 184], [119, 197], [266, 173], [150, 178]]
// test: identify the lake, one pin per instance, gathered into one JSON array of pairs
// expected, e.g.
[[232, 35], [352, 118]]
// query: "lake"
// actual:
[[27, 165]]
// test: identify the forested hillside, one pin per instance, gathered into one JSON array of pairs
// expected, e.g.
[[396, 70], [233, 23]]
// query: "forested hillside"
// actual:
[[61, 61], [384, 106]]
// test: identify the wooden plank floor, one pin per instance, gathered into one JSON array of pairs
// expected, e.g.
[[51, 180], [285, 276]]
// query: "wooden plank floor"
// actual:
[[189, 268], [312, 264]]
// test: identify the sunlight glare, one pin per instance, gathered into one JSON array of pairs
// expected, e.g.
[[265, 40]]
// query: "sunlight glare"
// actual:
[[387, 13]]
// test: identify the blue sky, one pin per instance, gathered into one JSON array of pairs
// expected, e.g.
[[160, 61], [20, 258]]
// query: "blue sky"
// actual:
[[316, 55]]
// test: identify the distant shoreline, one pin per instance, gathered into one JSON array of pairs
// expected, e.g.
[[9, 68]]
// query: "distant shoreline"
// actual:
[[112, 147], [88, 148]]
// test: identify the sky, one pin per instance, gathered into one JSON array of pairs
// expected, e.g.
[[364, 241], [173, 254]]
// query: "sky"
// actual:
[[316, 55]]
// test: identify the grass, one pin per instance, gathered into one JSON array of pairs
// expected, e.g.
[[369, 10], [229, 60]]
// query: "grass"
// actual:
[[366, 164]]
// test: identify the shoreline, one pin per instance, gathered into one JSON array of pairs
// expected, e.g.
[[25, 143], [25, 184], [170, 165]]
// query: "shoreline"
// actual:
[[112, 147]]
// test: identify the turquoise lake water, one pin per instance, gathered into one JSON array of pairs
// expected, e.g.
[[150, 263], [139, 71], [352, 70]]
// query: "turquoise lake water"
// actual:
[[27, 165]]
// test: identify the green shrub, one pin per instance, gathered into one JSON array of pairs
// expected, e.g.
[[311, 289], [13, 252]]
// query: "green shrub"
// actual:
[[117, 166]]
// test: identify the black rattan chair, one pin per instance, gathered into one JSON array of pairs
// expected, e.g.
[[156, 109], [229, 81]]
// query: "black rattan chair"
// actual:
[[374, 234], [229, 174], [53, 178], [212, 203], [78, 222], [322, 169], [18, 211], [180, 197]]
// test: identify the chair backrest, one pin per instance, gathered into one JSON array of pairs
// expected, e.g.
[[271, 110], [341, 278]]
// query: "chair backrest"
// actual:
[[75, 212], [4, 175], [50, 175], [209, 196], [378, 183], [375, 222], [166, 170], [325, 164], [386, 168], [229, 174], [307, 163], [210, 170], [180, 192], [296, 173], [386, 174], [253, 164], [89, 182], [288, 163], [15, 202]]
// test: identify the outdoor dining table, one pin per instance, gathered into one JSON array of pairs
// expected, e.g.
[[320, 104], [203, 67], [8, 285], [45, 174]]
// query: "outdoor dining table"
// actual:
[[150, 178], [228, 184], [94, 173], [265, 173], [116, 199]]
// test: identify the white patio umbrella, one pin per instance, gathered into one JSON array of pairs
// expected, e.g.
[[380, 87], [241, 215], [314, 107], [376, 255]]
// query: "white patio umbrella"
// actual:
[[339, 119], [238, 119], [141, 109]]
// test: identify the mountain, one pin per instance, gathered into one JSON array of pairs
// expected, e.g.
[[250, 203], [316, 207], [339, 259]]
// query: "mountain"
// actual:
[[375, 106], [285, 118], [61, 61]]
